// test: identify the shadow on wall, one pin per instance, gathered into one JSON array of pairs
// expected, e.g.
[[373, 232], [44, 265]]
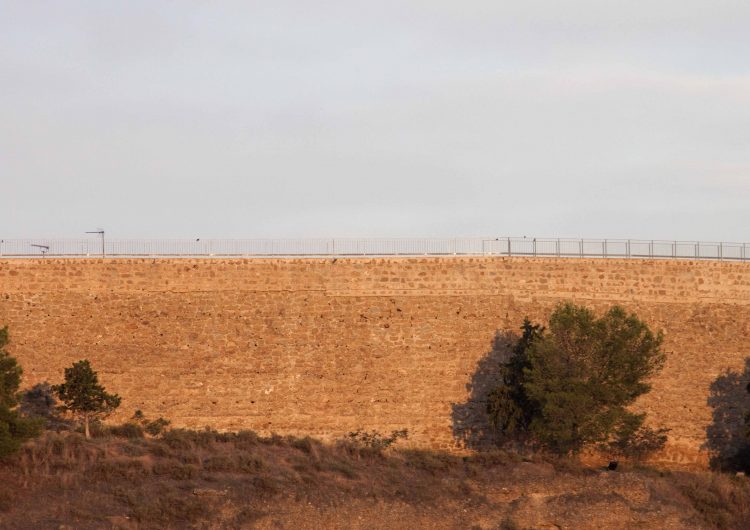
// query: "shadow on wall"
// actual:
[[725, 437], [471, 425], [40, 402]]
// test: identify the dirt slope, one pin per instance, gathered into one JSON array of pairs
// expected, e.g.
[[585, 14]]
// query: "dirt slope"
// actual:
[[209, 480]]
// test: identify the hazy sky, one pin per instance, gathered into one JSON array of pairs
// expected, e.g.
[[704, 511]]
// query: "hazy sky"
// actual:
[[389, 118]]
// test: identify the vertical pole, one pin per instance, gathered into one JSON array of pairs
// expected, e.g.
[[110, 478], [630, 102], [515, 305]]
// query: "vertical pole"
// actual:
[[534, 246], [627, 248], [580, 247], [721, 251], [557, 247], [508, 245], [604, 248], [101, 234], [651, 249]]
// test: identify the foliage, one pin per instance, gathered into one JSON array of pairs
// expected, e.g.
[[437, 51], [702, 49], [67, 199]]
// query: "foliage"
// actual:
[[375, 440], [509, 407], [638, 443], [570, 386], [152, 427], [14, 428], [10, 373], [83, 396], [126, 430]]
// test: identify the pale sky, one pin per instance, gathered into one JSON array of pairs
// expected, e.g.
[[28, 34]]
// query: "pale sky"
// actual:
[[376, 119]]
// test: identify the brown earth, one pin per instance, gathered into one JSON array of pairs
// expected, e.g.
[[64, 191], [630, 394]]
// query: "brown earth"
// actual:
[[209, 480]]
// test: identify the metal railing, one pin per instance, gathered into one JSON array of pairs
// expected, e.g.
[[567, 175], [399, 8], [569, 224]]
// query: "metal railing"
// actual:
[[504, 246]]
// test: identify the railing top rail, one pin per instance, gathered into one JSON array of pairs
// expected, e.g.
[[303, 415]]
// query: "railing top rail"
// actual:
[[321, 247]]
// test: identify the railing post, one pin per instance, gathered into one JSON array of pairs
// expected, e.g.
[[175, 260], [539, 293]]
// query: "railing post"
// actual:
[[534, 246], [627, 248], [651, 249], [674, 249], [508, 246], [557, 247], [580, 247], [697, 250], [604, 248], [721, 250]]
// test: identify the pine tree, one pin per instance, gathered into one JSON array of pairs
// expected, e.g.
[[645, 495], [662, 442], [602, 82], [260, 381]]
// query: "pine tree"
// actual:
[[14, 428], [570, 387], [83, 396]]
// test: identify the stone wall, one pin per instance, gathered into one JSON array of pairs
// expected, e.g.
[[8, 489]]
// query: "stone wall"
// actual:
[[326, 346]]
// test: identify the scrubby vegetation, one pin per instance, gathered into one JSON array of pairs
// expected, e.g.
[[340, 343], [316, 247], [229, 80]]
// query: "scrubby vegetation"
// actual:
[[15, 428], [569, 387], [182, 478], [376, 440]]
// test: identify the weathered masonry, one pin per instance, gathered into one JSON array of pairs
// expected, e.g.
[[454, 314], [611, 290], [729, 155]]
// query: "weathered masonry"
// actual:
[[326, 346]]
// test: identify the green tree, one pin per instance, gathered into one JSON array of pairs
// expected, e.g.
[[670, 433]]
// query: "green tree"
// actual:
[[14, 428], [570, 386], [83, 396], [509, 407]]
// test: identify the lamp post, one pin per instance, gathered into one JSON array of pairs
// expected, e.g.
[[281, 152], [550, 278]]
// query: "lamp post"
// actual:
[[101, 233], [43, 248]]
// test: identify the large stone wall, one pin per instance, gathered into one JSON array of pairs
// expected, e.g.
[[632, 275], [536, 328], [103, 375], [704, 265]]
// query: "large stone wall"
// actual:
[[326, 346]]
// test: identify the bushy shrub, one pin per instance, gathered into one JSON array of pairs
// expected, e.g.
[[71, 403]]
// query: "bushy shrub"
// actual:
[[127, 430], [152, 427], [570, 386], [219, 463], [14, 427], [250, 463], [375, 440]]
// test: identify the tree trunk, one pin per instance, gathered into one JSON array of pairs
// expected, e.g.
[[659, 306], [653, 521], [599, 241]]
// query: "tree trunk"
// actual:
[[86, 426]]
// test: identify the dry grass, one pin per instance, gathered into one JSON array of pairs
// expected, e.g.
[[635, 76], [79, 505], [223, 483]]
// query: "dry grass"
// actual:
[[723, 501], [206, 479], [152, 480]]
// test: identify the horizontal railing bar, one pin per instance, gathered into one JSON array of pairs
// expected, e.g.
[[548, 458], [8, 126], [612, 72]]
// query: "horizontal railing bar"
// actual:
[[352, 247]]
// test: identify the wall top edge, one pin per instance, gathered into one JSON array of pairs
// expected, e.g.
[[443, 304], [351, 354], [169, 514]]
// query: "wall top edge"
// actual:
[[366, 259]]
